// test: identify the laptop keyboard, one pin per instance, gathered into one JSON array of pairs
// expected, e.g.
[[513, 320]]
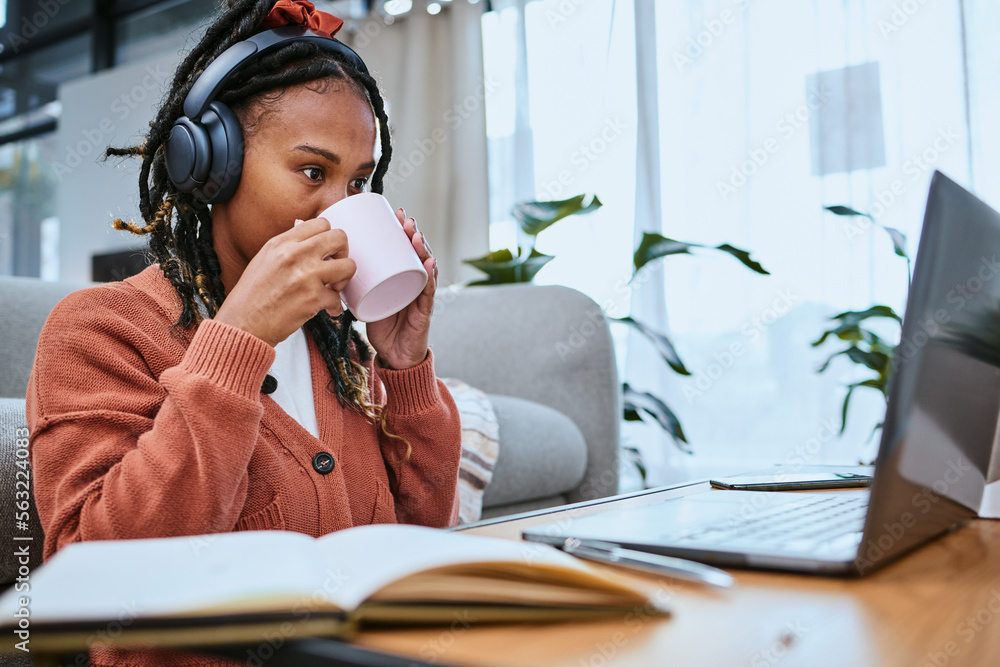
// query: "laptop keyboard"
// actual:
[[815, 522]]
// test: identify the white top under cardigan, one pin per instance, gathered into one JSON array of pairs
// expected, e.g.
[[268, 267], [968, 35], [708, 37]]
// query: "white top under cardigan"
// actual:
[[292, 370]]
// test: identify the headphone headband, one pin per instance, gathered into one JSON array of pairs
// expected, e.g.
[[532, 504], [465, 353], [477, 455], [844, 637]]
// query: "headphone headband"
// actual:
[[232, 59], [204, 153]]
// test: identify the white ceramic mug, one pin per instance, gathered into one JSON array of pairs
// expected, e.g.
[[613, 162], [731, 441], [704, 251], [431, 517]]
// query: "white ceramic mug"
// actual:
[[390, 275]]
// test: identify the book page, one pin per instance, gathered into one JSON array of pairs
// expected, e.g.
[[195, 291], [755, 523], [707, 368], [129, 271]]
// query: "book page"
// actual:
[[485, 587], [367, 558], [174, 576], [990, 507]]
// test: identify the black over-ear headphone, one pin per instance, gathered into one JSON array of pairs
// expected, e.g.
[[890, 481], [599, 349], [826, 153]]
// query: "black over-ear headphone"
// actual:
[[204, 153]]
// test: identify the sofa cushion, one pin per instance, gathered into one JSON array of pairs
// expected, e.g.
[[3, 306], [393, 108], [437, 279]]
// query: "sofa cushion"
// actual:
[[13, 432], [542, 452], [480, 443]]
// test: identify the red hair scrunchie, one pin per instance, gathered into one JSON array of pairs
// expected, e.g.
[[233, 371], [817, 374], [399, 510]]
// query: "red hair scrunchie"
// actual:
[[304, 14]]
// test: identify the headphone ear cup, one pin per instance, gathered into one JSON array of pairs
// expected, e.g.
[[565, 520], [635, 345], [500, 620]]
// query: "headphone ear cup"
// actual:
[[188, 153], [226, 139]]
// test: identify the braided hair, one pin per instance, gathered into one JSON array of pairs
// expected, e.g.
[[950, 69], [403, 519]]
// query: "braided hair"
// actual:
[[179, 226]]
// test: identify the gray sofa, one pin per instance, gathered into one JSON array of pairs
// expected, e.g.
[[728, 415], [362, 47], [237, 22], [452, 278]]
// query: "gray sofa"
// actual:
[[543, 354]]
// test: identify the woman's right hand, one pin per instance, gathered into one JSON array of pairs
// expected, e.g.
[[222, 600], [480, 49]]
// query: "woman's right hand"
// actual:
[[295, 275]]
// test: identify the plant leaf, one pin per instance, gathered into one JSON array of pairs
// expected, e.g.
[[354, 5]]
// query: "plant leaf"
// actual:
[[874, 383], [876, 361], [635, 401], [535, 216], [874, 431], [850, 329], [655, 246], [502, 267], [635, 456], [492, 258], [858, 316], [881, 383], [744, 257], [852, 334], [631, 415], [843, 411], [822, 339], [829, 359], [877, 346], [663, 344], [898, 240], [847, 332], [847, 210]]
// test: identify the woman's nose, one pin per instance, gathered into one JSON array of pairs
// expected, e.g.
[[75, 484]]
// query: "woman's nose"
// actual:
[[335, 194]]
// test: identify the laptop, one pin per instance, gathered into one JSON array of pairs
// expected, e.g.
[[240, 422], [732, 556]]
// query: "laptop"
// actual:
[[940, 428]]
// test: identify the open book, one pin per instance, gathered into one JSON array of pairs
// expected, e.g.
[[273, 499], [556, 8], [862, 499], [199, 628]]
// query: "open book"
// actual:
[[989, 508], [233, 587]]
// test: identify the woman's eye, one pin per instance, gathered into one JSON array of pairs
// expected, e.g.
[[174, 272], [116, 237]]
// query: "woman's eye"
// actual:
[[313, 173], [359, 183]]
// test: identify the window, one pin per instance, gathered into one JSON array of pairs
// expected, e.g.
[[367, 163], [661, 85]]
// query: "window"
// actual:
[[767, 114], [163, 28], [748, 101], [581, 122], [28, 115], [27, 205], [43, 44]]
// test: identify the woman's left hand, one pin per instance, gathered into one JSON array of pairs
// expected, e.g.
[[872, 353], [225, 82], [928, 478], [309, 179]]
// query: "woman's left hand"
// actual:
[[401, 339]]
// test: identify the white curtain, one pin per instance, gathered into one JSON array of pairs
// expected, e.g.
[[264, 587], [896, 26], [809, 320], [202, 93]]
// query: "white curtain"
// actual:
[[982, 58], [430, 69], [648, 295]]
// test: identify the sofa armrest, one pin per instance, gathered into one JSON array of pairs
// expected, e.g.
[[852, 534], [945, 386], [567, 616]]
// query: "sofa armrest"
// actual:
[[25, 304], [548, 344]]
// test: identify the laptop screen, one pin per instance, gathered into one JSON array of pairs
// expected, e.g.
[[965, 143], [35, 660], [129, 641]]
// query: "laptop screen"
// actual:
[[944, 399]]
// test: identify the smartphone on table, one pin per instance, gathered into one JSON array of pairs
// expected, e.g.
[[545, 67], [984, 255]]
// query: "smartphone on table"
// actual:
[[799, 481]]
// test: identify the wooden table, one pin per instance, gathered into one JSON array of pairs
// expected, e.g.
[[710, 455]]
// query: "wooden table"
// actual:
[[937, 606]]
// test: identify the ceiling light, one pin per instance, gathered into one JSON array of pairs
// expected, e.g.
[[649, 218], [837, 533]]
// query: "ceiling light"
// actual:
[[397, 7]]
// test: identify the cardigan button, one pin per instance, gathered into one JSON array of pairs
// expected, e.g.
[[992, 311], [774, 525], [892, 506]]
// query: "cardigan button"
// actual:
[[323, 462]]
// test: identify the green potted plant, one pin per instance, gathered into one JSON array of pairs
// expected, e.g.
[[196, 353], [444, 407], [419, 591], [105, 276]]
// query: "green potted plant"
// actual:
[[863, 346], [524, 262], [655, 247], [521, 264]]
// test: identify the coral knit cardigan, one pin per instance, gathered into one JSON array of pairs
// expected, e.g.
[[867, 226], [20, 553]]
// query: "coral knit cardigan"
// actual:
[[139, 430]]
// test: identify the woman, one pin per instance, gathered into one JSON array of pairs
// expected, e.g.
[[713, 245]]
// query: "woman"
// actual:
[[146, 404]]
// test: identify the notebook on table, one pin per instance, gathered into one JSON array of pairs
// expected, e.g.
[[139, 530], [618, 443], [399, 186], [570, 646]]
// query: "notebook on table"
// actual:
[[933, 471]]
